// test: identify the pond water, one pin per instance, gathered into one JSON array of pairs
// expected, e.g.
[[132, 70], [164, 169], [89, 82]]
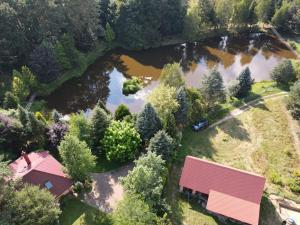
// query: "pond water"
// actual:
[[104, 79]]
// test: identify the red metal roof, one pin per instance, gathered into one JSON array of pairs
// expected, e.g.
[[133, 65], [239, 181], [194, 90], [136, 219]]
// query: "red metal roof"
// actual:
[[43, 168], [230, 187]]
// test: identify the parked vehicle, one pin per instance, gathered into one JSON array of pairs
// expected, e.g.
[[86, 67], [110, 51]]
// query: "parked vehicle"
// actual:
[[202, 124]]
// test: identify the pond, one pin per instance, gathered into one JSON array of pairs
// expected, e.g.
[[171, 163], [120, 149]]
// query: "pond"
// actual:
[[104, 78]]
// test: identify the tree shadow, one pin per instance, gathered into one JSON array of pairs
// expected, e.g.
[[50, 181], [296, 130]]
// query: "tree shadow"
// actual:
[[268, 214]]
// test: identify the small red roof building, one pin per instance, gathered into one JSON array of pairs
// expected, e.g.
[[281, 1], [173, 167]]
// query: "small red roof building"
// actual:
[[42, 169], [231, 192]]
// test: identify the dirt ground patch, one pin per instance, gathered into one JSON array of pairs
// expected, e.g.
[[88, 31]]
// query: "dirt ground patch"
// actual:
[[107, 190]]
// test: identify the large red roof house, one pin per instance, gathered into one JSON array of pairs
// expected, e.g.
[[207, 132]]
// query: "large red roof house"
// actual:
[[42, 169], [232, 193]]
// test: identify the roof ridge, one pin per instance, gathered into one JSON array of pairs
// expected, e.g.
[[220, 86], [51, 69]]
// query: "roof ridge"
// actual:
[[226, 167]]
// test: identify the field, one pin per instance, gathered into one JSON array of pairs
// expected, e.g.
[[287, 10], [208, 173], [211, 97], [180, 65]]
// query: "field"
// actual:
[[259, 140]]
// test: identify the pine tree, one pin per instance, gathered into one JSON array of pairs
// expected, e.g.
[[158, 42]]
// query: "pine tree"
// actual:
[[10, 101], [182, 113], [213, 88], [162, 144], [100, 121], [61, 56], [245, 82], [109, 34], [56, 116], [23, 116], [148, 122]]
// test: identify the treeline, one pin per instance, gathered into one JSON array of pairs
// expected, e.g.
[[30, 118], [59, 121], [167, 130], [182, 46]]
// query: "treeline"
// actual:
[[48, 35]]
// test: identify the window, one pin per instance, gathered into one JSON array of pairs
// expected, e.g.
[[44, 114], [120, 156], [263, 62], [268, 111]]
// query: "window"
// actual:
[[48, 185]]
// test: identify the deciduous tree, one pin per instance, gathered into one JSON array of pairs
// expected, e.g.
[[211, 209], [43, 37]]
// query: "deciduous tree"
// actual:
[[172, 75], [284, 72]]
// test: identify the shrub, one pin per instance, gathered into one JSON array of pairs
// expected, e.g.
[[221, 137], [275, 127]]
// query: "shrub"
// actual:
[[275, 178], [294, 184], [132, 86], [10, 101], [121, 112], [56, 116], [284, 72], [121, 141], [78, 187], [80, 127], [293, 103], [40, 117]]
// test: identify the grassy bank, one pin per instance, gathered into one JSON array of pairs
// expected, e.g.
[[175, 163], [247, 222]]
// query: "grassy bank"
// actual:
[[259, 140], [75, 212], [85, 60], [259, 89]]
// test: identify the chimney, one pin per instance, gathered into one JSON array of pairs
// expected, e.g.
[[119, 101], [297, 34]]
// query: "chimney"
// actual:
[[24, 154]]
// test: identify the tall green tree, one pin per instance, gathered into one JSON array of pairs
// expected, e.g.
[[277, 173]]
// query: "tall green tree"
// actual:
[[148, 122], [133, 210], [224, 10], [284, 72], [121, 141], [33, 205], [77, 157], [197, 105], [245, 82], [62, 57], [99, 123], [121, 112], [172, 75], [147, 179], [109, 34], [138, 23], [265, 10], [212, 88], [163, 99], [80, 127], [162, 144], [199, 18], [181, 115]]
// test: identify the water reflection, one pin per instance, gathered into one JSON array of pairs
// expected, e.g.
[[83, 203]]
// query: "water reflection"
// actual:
[[104, 79]]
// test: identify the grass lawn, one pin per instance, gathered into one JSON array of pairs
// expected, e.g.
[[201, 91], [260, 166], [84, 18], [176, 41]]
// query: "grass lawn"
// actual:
[[259, 89], [258, 140], [75, 212]]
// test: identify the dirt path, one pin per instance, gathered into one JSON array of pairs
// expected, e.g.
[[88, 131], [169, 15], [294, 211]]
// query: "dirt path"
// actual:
[[246, 107], [107, 190]]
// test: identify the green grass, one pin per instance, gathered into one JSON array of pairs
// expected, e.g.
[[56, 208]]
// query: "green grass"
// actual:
[[75, 212], [259, 89], [258, 140], [85, 60], [103, 165]]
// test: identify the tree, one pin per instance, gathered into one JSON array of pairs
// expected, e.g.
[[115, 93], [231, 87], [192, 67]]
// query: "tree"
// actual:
[[212, 88], [172, 75], [243, 14], [109, 34], [121, 141], [133, 210], [62, 57], [148, 122], [71, 52], [56, 116], [265, 10], [138, 23], [163, 99], [224, 10], [234, 88], [33, 205], [55, 134], [44, 63], [37, 129], [77, 157], [23, 116], [10, 101], [199, 18], [19, 88], [147, 179], [181, 114], [281, 16], [197, 105], [162, 144], [284, 72], [294, 100], [99, 123], [121, 112], [169, 124], [245, 83], [80, 127]]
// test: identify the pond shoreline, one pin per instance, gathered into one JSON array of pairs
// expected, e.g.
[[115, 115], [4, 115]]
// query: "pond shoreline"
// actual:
[[101, 49]]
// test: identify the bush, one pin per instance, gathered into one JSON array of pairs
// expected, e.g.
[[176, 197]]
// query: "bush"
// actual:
[[121, 112], [10, 101], [132, 86], [275, 178], [121, 141], [78, 187], [294, 184], [283, 73], [293, 103]]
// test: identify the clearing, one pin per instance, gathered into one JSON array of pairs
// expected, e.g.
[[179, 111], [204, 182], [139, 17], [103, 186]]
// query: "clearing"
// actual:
[[259, 140]]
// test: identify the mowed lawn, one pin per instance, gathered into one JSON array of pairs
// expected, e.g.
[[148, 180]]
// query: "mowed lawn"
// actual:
[[259, 140], [75, 212]]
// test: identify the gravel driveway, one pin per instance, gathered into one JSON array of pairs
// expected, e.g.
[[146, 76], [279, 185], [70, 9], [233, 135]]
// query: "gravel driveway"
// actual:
[[107, 190]]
